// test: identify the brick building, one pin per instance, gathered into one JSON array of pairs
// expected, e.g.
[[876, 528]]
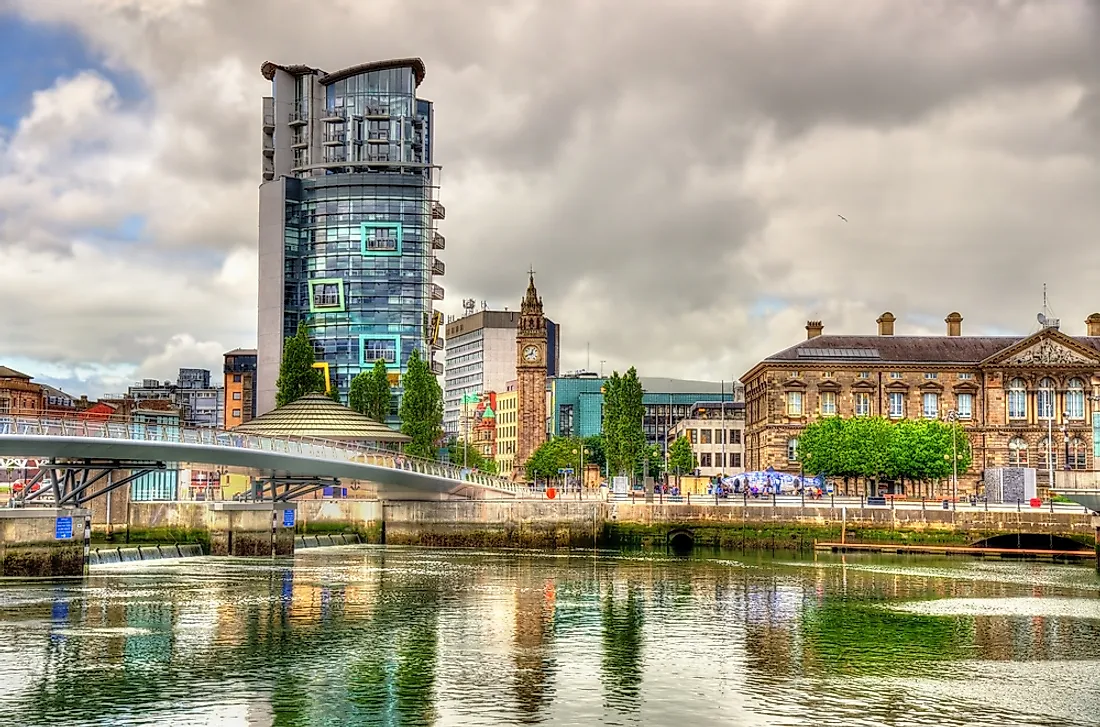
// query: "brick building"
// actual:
[[19, 396], [1020, 398]]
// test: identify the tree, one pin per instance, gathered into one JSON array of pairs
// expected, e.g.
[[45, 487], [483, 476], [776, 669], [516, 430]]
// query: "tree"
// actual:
[[297, 377], [472, 456], [681, 458], [334, 394], [553, 455], [623, 430], [421, 407], [369, 393]]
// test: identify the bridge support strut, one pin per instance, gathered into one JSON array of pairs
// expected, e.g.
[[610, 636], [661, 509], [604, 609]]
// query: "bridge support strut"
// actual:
[[283, 489], [72, 482]]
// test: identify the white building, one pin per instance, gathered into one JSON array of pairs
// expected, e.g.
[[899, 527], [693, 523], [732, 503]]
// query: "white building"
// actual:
[[716, 433], [481, 357]]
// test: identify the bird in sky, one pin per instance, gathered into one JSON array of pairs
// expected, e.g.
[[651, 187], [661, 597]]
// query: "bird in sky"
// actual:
[[843, 217]]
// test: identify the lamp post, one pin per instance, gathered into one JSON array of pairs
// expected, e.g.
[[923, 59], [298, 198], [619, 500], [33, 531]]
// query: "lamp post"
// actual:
[[953, 417], [723, 419], [1065, 440]]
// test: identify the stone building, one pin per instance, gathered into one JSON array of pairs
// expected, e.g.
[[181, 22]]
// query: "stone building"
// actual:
[[1020, 398], [716, 432]]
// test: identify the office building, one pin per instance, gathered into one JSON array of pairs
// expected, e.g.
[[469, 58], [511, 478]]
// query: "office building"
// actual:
[[239, 371], [716, 432], [506, 424], [348, 212], [198, 403], [1026, 401], [576, 403], [481, 357]]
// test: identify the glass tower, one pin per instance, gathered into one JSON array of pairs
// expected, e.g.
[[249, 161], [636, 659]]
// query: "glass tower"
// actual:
[[348, 214]]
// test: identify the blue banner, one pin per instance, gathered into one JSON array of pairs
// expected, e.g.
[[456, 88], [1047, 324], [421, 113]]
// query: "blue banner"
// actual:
[[64, 528]]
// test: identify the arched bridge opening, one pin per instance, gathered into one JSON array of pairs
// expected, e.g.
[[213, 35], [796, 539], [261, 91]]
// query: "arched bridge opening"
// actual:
[[681, 542], [1032, 541]]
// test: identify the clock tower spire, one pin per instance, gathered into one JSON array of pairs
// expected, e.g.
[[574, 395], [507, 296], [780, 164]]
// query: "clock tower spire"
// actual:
[[530, 377]]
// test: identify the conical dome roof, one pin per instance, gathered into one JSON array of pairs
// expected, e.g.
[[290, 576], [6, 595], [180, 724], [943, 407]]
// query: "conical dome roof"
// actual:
[[316, 415]]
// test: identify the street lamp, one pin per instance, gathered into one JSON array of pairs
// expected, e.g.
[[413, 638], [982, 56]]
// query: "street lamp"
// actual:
[[953, 417], [1065, 439]]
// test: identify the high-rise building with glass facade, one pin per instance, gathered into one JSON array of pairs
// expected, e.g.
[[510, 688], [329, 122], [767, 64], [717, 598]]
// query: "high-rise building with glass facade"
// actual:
[[348, 212]]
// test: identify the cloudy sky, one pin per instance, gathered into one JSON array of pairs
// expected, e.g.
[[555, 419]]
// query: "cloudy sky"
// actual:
[[674, 170]]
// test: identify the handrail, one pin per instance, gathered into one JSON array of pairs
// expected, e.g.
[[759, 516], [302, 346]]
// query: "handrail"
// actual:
[[307, 446]]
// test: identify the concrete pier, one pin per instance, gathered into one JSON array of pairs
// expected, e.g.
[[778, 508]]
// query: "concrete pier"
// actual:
[[251, 528], [42, 542]]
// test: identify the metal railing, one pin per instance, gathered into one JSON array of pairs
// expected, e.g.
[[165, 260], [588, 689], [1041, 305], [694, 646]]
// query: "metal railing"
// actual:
[[301, 446]]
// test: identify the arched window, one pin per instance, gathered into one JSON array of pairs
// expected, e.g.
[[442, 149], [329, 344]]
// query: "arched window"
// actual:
[[1017, 399], [1044, 400], [1075, 399], [1017, 452], [1045, 452], [792, 449], [1077, 454]]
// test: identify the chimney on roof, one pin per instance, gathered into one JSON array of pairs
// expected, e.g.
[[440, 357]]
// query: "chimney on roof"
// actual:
[[886, 324], [954, 323], [1092, 325], [813, 329]]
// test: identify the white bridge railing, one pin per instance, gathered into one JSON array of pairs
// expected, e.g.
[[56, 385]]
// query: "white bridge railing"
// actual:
[[302, 446]]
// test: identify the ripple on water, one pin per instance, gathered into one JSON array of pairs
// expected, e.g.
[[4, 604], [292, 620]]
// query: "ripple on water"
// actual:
[[1027, 606]]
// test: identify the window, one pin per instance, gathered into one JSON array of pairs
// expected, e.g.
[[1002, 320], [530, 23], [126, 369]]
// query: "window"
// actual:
[[931, 375], [1017, 399], [897, 405], [1077, 454], [719, 460], [826, 374], [828, 403], [565, 420], [1075, 399], [863, 404], [895, 374], [719, 436], [864, 374], [792, 449], [693, 436], [735, 459], [326, 295], [236, 378], [965, 377], [1017, 452], [794, 374], [704, 459], [236, 412], [1045, 452], [735, 436], [379, 348], [794, 403], [964, 404], [931, 408], [1044, 399], [236, 396], [704, 436]]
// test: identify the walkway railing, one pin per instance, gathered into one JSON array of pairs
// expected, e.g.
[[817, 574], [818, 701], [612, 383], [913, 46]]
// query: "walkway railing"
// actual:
[[302, 446]]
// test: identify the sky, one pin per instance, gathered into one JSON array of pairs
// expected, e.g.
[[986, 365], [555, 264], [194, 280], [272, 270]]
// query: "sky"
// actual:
[[692, 180]]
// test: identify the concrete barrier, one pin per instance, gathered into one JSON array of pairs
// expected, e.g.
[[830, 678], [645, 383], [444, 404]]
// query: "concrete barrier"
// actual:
[[42, 542]]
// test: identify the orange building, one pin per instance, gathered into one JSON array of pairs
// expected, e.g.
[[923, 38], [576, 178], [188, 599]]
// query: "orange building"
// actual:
[[240, 386]]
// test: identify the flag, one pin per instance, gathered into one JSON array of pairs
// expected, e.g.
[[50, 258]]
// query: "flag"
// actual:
[[471, 398]]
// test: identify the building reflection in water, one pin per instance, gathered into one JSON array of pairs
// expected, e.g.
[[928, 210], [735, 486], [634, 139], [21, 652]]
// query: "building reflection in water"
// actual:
[[533, 678]]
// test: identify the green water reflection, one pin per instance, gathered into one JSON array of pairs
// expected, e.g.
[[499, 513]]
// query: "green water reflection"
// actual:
[[376, 636]]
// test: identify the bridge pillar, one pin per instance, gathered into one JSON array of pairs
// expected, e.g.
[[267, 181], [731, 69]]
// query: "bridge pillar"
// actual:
[[252, 528], [42, 542]]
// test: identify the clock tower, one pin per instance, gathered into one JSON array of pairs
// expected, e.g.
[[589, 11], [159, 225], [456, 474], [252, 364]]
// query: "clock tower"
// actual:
[[530, 378]]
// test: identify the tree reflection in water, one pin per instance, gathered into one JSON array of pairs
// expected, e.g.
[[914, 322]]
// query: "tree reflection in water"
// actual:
[[621, 665]]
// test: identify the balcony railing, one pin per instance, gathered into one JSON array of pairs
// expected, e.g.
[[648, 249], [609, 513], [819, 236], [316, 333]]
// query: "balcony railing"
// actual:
[[299, 116], [269, 114], [437, 292], [438, 267], [334, 116], [333, 138], [439, 212], [299, 446], [438, 241]]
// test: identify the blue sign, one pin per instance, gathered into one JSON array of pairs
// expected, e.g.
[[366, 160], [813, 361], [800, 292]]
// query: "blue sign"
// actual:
[[288, 518], [64, 529]]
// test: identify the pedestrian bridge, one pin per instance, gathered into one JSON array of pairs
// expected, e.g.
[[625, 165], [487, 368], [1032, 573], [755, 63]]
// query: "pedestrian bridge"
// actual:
[[55, 444]]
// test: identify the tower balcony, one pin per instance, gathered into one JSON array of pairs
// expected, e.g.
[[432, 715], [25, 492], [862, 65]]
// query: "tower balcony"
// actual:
[[269, 114], [269, 145], [439, 242], [437, 367], [334, 138], [437, 292], [300, 142], [438, 267], [376, 112], [334, 116], [269, 169], [299, 117], [439, 212]]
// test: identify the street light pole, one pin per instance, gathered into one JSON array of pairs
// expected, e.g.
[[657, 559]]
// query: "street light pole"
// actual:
[[723, 418], [953, 416]]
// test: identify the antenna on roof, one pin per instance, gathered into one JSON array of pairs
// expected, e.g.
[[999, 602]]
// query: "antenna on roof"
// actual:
[[1046, 317]]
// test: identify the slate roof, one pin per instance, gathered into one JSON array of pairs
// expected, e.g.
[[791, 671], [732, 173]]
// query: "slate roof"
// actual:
[[8, 373], [316, 415], [905, 349]]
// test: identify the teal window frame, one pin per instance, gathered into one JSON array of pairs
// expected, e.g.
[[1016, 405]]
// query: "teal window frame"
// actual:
[[339, 307], [363, 338], [364, 227]]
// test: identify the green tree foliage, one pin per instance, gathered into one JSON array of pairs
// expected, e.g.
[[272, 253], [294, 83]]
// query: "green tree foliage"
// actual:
[[297, 377], [912, 449], [594, 451], [557, 453], [681, 458], [421, 407], [460, 452], [334, 394], [623, 411], [370, 392], [651, 462]]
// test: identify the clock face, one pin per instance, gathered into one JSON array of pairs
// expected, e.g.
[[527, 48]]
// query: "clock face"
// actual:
[[531, 354]]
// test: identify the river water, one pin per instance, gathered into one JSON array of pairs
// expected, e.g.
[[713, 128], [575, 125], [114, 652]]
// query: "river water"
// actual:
[[395, 636]]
